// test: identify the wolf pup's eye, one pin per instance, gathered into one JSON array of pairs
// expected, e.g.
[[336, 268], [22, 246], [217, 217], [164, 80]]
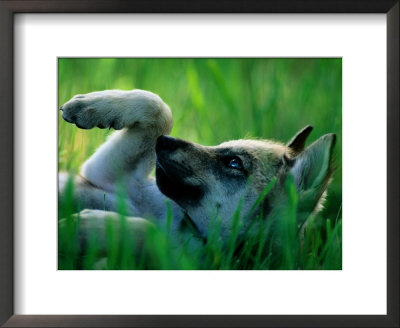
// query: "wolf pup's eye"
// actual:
[[235, 163]]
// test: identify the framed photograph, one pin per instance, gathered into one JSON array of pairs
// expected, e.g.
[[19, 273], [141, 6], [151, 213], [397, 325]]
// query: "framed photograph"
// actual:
[[248, 99], [213, 164]]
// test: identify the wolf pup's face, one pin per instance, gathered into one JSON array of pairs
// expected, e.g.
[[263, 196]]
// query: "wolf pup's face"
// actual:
[[211, 182]]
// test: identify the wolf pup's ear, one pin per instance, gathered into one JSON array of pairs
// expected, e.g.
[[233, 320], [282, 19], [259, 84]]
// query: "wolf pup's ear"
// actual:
[[314, 165], [312, 171], [299, 140]]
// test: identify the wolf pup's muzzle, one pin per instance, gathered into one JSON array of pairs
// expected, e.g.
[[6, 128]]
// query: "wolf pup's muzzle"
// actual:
[[174, 170], [169, 152]]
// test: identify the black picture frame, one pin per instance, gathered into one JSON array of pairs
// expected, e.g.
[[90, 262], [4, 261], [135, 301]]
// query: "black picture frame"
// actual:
[[7, 11]]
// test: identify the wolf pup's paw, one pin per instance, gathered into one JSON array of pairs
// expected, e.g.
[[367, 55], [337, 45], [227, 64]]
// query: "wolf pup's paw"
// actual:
[[117, 109]]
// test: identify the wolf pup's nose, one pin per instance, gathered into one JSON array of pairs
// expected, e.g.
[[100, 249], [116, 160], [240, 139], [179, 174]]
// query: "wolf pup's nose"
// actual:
[[169, 143]]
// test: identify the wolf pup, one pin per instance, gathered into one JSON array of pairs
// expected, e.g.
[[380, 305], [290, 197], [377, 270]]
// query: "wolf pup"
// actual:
[[193, 182]]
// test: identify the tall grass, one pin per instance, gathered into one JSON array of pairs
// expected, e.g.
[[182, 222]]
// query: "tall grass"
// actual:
[[213, 100]]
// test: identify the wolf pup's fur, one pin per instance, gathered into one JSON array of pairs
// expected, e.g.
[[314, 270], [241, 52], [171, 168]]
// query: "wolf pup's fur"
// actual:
[[200, 182]]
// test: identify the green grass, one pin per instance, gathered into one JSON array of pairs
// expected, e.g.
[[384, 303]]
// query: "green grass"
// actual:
[[214, 100]]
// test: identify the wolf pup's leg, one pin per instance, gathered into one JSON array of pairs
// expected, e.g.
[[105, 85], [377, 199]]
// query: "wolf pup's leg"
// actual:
[[128, 154]]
